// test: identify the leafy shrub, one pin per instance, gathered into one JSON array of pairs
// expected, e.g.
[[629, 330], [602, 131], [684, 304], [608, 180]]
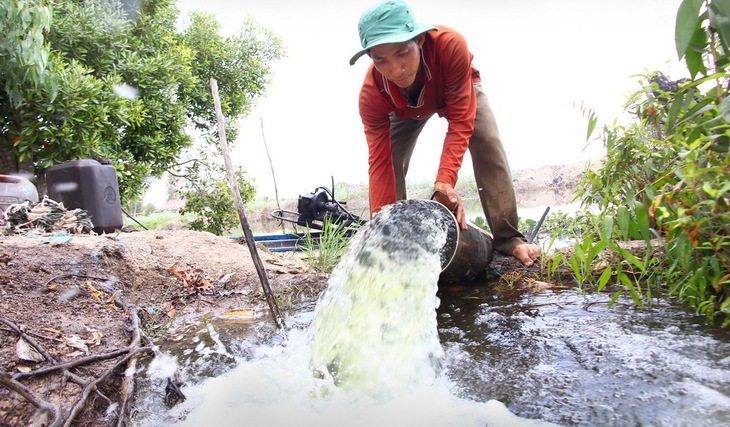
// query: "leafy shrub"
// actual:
[[666, 177], [325, 252], [212, 205]]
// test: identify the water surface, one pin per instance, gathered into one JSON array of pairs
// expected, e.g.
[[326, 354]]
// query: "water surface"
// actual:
[[382, 348], [565, 357]]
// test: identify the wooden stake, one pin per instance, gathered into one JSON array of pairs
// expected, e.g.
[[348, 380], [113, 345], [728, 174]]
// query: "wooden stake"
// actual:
[[239, 206], [271, 164]]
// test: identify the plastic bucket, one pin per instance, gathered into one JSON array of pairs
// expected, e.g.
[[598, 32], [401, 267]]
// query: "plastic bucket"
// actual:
[[16, 189], [91, 186], [466, 253]]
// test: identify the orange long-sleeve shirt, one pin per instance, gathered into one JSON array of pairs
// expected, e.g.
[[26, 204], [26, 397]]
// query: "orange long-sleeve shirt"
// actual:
[[447, 90]]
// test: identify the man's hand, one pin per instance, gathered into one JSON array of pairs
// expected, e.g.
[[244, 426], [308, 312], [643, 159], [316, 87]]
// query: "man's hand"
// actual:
[[445, 194]]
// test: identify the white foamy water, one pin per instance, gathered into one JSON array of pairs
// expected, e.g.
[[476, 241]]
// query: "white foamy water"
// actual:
[[370, 355], [375, 327], [277, 388]]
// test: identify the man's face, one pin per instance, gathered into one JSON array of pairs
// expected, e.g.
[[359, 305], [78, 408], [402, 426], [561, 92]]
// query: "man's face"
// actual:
[[398, 62]]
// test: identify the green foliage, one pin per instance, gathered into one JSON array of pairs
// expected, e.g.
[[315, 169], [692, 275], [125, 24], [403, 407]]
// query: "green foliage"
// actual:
[[213, 207], [560, 224], [550, 261], [240, 65], [323, 253], [105, 80], [82, 107], [23, 51], [666, 176], [556, 225], [136, 208], [584, 254]]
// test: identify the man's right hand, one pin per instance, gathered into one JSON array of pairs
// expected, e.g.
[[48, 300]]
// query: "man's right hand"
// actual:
[[444, 193]]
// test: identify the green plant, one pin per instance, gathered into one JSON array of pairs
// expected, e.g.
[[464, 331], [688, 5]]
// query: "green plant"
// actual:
[[563, 225], [581, 260], [555, 225], [510, 278], [324, 251], [96, 79], [212, 207], [550, 262], [24, 24], [666, 176], [162, 317]]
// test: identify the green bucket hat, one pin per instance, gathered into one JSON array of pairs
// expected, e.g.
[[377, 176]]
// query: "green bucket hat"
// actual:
[[389, 22]]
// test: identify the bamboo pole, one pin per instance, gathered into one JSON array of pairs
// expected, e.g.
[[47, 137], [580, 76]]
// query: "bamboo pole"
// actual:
[[278, 320]]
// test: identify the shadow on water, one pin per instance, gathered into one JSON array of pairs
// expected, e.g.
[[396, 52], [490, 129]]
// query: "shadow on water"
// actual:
[[566, 358]]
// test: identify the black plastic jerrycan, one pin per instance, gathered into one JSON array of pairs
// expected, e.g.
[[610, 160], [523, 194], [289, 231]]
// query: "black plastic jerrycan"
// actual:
[[89, 185]]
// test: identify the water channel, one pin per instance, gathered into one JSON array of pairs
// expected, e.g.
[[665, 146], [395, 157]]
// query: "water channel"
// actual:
[[555, 357], [563, 357]]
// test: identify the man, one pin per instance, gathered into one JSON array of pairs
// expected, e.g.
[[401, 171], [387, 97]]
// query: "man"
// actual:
[[419, 70]]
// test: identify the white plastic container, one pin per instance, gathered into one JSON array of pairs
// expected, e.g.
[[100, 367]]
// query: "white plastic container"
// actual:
[[16, 189]]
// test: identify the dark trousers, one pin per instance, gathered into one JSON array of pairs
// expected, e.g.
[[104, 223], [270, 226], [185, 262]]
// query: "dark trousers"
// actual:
[[491, 170]]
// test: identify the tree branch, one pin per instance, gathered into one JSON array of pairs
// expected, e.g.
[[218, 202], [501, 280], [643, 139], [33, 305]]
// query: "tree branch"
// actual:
[[11, 384], [30, 340]]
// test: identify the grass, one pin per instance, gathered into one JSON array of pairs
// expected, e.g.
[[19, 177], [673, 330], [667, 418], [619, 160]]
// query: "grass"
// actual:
[[155, 220], [324, 254]]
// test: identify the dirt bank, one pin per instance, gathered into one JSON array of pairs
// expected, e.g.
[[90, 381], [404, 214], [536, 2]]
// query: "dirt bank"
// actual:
[[69, 298]]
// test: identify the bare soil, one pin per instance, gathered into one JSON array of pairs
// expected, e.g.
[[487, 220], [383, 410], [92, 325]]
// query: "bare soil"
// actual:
[[70, 299]]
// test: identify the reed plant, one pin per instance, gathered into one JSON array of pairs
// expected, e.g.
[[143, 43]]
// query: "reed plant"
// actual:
[[324, 250]]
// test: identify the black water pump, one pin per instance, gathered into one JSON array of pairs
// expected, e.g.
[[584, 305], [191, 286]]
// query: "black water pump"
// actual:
[[317, 207]]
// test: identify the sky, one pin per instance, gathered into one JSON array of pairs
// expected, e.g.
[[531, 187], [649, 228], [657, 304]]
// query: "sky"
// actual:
[[543, 64]]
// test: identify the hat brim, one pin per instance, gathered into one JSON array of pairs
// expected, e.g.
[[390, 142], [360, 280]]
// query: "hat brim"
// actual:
[[396, 38]]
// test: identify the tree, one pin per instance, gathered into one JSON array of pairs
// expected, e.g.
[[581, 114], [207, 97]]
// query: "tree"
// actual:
[[24, 56], [22, 48], [212, 205], [120, 83], [240, 65]]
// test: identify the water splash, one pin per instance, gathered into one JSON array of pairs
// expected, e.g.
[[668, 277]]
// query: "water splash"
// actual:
[[277, 388], [375, 327]]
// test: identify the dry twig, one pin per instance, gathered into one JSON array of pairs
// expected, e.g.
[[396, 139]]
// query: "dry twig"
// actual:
[[12, 382], [128, 381]]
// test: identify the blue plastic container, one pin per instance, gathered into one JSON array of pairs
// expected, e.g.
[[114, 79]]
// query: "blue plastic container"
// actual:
[[91, 186]]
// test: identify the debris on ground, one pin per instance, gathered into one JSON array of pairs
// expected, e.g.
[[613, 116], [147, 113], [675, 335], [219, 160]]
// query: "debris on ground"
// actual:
[[48, 216]]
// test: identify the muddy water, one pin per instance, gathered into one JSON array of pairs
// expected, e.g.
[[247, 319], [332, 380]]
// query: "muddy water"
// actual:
[[567, 358], [462, 357], [562, 357]]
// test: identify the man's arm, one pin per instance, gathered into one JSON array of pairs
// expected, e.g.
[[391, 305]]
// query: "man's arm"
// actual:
[[455, 65], [374, 114]]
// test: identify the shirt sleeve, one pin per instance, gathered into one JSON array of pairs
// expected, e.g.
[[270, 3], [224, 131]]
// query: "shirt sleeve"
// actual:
[[455, 66], [374, 112]]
